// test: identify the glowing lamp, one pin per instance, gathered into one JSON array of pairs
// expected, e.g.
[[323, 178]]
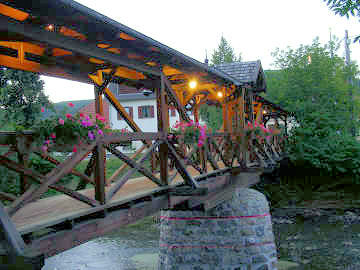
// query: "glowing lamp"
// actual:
[[264, 112], [192, 84], [219, 94], [50, 27]]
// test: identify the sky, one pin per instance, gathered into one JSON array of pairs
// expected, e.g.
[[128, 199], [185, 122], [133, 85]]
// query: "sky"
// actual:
[[253, 28]]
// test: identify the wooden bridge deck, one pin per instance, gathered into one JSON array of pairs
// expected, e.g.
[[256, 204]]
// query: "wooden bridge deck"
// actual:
[[57, 209]]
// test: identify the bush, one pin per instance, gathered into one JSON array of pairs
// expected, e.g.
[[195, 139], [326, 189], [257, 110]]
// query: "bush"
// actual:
[[334, 155]]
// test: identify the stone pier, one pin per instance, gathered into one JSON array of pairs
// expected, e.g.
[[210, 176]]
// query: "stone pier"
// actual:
[[235, 235]]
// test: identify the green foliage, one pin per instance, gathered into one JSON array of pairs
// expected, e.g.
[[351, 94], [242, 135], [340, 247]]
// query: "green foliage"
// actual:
[[212, 115], [331, 154], [224, 53], [316, 90], [21, 97], [318, 86], [42, 166], [344, 7]]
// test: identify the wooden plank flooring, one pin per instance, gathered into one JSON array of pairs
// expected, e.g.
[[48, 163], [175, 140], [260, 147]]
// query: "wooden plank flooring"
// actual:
[[53, 210]]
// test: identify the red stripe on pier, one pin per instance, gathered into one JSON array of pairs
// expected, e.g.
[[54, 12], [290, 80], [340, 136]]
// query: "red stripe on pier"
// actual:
[[199, 218]]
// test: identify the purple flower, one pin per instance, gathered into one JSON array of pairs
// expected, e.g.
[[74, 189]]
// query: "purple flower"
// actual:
[[91, 135], [44, 148], [100, 132]]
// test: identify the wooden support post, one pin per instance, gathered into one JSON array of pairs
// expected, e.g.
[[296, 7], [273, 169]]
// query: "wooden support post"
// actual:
[[15, 243], [224, 113], [24, 183], [230, 117], [100, 156], [180, 94], [251, 106], [196, 113], [163, 126], [259, 115]]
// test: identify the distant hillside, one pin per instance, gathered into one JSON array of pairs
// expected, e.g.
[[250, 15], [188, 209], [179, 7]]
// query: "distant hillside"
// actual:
[[63, 105]]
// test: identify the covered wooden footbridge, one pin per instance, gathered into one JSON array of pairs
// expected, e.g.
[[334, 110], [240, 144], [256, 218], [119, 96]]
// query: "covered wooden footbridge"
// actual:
[[62, 38]]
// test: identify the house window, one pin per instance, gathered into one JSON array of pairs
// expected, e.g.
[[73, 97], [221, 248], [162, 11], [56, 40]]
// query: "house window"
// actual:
[[129, 110], [146, 111]]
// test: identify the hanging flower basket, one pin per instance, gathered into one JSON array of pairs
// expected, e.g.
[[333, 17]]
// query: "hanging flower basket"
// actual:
[[65, 132], [188, 133]]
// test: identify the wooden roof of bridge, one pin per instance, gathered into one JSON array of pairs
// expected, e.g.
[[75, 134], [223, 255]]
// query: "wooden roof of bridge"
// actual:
[[65, 39], [248, 73]]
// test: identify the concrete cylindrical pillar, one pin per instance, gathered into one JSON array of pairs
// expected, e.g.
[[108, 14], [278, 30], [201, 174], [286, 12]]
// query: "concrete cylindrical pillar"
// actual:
[[235, 235]]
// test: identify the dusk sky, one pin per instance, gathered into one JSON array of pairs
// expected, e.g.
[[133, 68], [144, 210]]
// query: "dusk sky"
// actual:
[[253, 28]]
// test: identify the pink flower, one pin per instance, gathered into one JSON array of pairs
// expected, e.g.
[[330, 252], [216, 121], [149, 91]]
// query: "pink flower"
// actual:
[[68, 115], [61, 121], [44, 148], [53, 135], [91, 135], [42, 109], [47, 142], [189, 124], [71, 104], [87, 118], [74, 149], [81, 115], [199, 144], [100, 132]]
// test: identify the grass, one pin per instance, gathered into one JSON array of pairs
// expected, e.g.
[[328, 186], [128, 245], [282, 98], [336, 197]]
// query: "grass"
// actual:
[[112, 164]]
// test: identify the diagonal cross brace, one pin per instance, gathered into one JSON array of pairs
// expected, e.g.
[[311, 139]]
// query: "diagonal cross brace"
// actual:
[[181, 168], [174, 99]]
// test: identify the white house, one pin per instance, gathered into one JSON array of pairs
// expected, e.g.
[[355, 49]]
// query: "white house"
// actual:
[[140, 107]]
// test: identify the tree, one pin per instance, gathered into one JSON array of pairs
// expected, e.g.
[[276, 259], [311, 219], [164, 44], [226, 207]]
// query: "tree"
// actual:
[[312, 79], [312, 83], [224, 53], [345, 8], [21, 98]]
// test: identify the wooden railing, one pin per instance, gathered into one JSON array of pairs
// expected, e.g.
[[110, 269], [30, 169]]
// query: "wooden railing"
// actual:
[[187, 162]]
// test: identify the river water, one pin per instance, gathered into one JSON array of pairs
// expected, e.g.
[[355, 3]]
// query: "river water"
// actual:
[[314, 243], [113, 252]]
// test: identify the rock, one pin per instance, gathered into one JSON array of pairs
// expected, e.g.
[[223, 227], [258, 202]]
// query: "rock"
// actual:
[[310, 247], [286, 265], [146, 261]]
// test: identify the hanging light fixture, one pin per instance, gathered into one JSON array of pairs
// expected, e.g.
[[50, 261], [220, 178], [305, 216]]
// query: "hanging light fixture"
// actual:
[[50, 27], [192, 84], [219, 94]]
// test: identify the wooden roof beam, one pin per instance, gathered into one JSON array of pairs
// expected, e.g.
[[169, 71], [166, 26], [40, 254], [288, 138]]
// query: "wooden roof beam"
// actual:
[[77, 46]]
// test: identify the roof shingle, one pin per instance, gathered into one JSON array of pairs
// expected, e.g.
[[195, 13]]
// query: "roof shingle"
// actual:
[[244, 72]]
